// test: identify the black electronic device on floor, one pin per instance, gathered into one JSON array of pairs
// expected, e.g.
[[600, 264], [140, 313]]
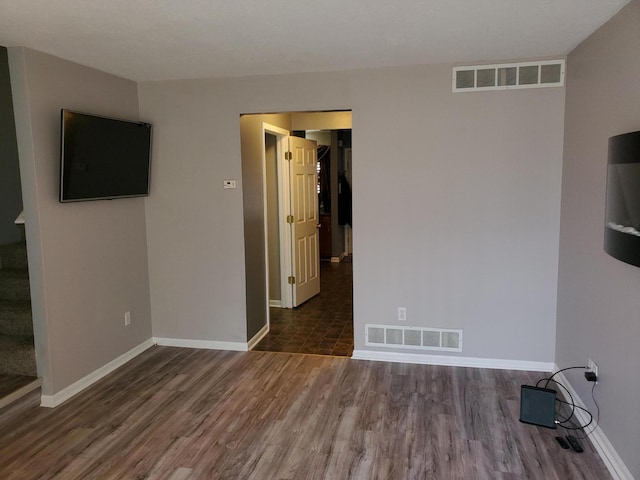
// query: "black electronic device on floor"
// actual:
[[575, 444], [538, 406]]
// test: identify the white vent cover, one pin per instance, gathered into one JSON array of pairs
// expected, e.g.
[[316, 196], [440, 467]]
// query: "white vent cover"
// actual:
[[505, 76], [420, 338]]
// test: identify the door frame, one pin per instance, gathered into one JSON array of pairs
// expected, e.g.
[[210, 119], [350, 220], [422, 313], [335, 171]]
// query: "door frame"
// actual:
[[284, 209]]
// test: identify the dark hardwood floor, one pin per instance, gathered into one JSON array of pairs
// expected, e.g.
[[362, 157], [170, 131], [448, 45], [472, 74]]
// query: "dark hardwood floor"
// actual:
[[200, 414], [324, 324]]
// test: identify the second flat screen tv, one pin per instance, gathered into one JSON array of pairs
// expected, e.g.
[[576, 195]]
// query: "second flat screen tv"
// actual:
[[103, 158]]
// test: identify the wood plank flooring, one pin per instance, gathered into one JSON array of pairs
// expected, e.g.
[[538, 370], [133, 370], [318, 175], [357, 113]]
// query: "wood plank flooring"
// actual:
[[184, 414]]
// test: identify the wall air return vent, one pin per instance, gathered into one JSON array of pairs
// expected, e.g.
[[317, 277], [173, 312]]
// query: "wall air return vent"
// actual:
[[506, 76], [416, 338]]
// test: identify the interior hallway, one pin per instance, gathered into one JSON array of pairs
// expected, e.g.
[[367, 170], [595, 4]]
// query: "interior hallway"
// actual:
[[324, 324]]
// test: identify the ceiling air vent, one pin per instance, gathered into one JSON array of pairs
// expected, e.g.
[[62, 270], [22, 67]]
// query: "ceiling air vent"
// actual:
[[506, 76], [417, 338]]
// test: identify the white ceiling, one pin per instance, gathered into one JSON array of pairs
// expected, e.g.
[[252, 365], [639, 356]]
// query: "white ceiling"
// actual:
[[174, 39]]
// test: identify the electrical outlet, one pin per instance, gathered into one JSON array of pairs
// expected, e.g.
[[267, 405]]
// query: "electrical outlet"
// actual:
[[402, 314], [127, 319], [593, 367]]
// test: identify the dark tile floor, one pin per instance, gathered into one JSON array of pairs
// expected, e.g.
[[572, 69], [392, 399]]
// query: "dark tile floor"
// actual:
[[324, 324]]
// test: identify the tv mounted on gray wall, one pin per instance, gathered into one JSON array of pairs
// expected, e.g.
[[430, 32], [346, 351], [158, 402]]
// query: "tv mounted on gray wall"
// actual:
[[103, 158]]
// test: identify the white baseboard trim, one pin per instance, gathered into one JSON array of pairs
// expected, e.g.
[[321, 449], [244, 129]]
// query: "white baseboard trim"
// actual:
[[339, 258], [65, 394], [599, 440], [257, 337], [203, 344], [453, 361], [275, 303]]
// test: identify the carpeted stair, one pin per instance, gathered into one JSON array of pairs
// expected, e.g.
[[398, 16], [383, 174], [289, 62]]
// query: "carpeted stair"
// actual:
[[17, 354]]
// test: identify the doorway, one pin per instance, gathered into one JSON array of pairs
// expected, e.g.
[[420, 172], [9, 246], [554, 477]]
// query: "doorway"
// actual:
[[291, 217], [323, 323], [18, 371]]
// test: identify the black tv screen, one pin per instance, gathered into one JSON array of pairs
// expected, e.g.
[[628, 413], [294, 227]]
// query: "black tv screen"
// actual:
[[103, 158]]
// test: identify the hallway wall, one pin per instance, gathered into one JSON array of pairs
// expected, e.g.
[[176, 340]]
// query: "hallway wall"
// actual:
[[87, 260], [598, 301], [456, 195]]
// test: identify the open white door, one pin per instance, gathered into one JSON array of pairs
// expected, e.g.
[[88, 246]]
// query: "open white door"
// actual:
[[304, 211]]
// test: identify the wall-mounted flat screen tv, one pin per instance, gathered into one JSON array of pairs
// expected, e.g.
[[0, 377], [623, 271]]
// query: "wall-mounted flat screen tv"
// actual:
[[103, 158]]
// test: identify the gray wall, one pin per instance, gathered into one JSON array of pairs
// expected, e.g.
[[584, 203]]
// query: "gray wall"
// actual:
[[87, 261], [10, 193], [598, 296], [273, 217], [457, 199]]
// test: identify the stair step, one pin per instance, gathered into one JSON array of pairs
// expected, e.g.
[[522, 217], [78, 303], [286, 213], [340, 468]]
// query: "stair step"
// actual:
[[14, 285], [15, 317], [14, 387], [13, 256], [17, 355]]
